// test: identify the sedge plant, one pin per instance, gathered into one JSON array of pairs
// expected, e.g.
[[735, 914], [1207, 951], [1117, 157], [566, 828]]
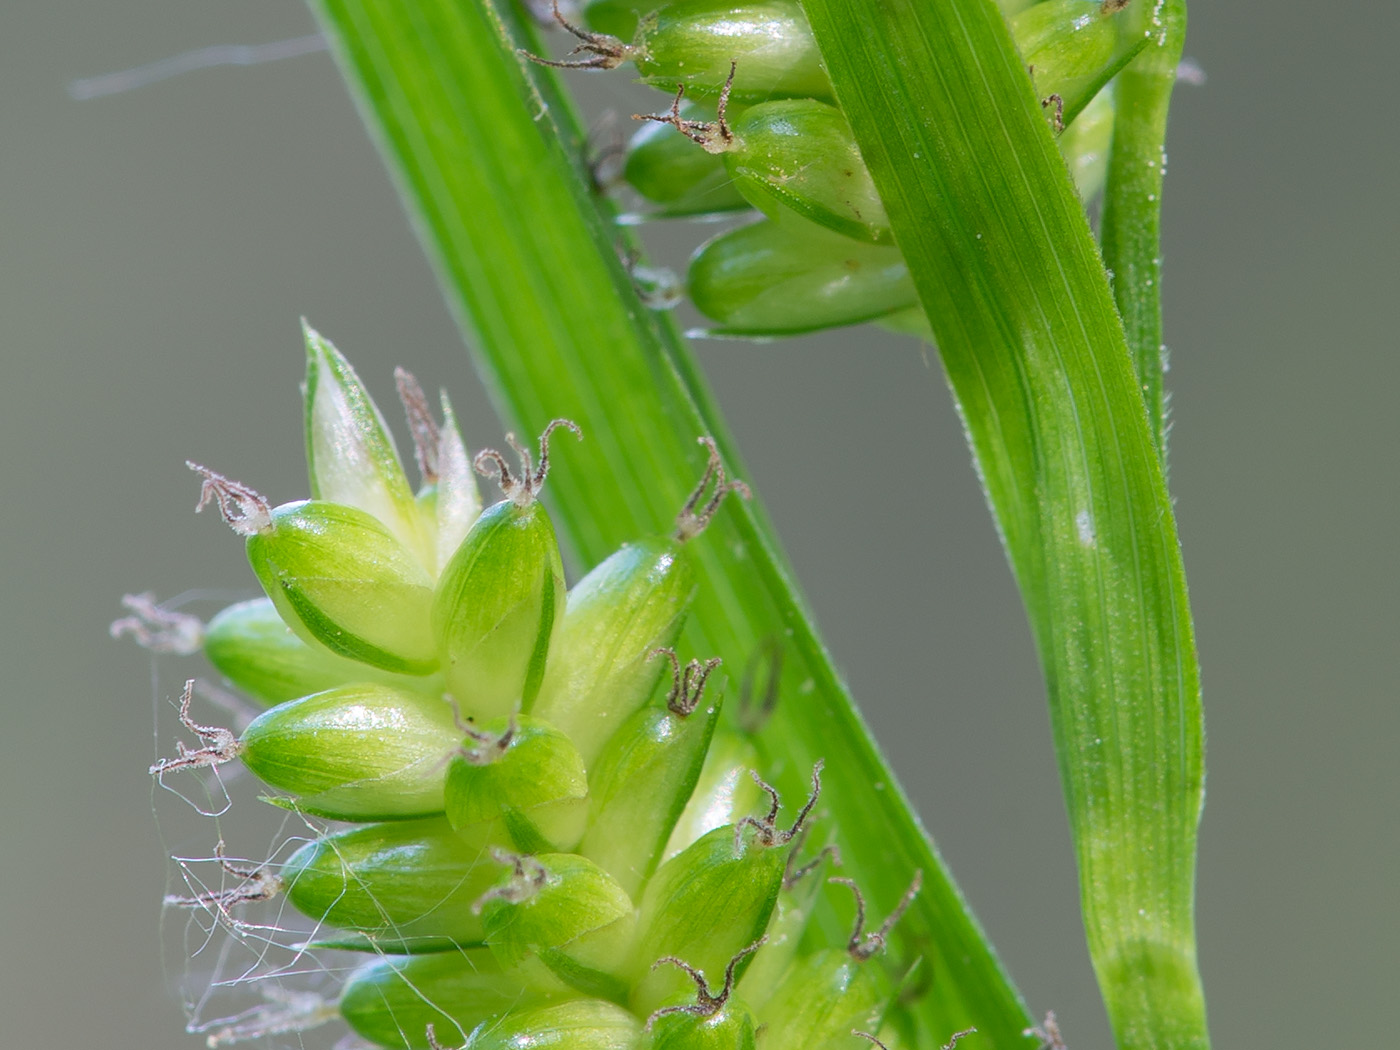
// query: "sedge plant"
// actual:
[[542, 852]]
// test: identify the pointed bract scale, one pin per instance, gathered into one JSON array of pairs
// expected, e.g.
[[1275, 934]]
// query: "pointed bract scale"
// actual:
[[600, 670], [426, 438], [391, 1001], [584, 1024], [523, 776], [421, 424], [341, 578], [358, 752], [407, 885], [694, 43], [448, 501], [252, 646], [642, 781], [560, 916], [349, 454], [783, 278], [458, 500]]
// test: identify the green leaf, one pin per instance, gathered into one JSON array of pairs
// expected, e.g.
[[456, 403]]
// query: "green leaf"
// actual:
[[487, 155], [1006, 267]]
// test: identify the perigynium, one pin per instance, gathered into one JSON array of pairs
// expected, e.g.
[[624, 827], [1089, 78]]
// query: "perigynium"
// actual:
[[541, 846]]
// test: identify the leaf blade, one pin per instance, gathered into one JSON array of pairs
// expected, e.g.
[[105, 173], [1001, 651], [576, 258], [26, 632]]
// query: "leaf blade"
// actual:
[[1019, 303]]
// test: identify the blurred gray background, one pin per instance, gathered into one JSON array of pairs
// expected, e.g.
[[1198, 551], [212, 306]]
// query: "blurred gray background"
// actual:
[[157, 248]]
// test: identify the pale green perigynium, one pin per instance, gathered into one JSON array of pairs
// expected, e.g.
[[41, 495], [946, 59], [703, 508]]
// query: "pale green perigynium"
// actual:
[[542, 853], [695, 43]]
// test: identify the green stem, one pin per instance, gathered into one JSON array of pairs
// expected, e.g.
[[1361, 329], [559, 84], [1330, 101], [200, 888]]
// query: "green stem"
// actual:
[[1132, 209], [1019, 302]]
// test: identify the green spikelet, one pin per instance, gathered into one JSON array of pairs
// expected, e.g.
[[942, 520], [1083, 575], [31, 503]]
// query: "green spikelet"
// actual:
[[777, 139], [542, 851]]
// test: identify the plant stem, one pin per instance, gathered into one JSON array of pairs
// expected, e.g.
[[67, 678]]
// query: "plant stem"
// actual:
[[1132, 209]]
